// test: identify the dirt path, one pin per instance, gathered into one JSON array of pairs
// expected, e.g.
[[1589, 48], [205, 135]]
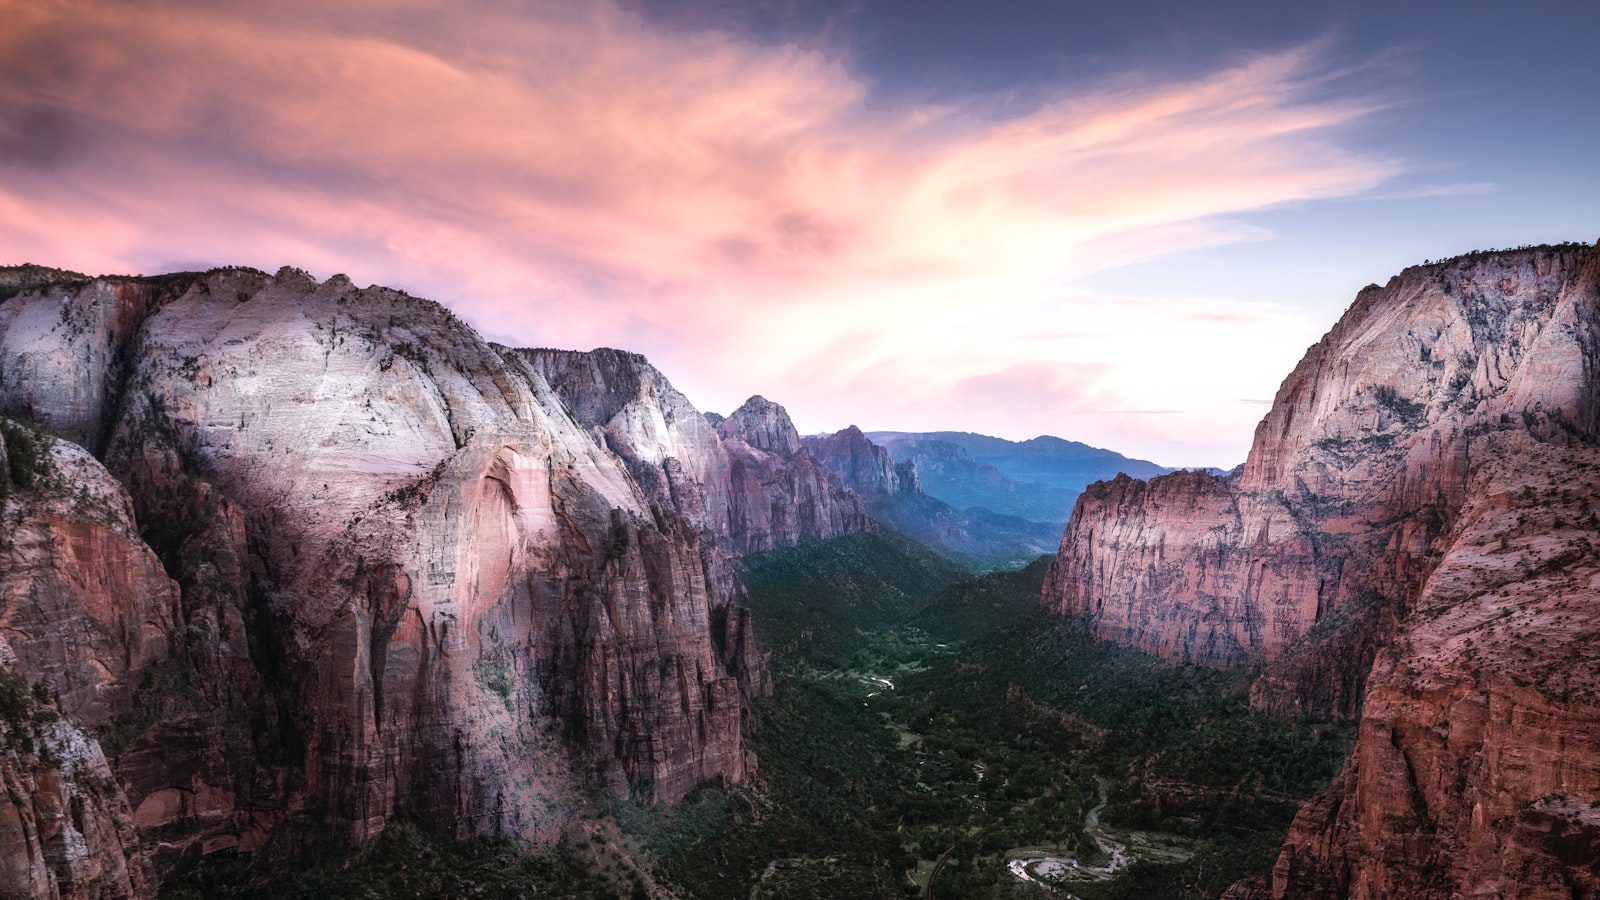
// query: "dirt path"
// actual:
[[927, 890]]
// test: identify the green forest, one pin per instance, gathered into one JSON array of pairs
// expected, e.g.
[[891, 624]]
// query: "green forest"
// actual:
[[924, 718]]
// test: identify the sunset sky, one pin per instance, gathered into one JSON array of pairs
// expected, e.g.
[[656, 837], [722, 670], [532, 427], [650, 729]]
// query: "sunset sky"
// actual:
[[1121, 225]]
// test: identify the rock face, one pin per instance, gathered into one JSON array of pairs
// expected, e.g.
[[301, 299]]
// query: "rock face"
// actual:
[[64, 822], [762, 425], [865, 467], [631, 410], [381, 568], [894, 496], [87, 611], [746, 481], [1356, 472], [1417, 504], [1476, 770], [84, 603], [781, 494], [1190, 567]]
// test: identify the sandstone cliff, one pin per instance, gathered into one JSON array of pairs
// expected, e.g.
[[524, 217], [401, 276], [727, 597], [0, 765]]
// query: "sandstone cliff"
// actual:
[[1370, 530], [1355, 473], [746, 481], [1476, 771], [357, 564], [65, 828], [781, 493], [86, 615]]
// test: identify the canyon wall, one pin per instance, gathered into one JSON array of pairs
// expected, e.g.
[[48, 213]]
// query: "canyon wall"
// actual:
[[1355, 473], [345, 563], [782, 493], [1410, 540], [86, 616], [1476, 768], [746, 480]]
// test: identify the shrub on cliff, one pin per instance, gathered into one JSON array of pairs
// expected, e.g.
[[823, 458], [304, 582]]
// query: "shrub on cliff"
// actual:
[[25, 450]]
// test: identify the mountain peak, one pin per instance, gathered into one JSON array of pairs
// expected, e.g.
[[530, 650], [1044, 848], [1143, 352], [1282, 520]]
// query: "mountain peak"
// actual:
[[764, 425]]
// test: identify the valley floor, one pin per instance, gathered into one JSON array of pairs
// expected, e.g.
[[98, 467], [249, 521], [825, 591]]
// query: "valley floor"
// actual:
[[931, 734], [930, 726]]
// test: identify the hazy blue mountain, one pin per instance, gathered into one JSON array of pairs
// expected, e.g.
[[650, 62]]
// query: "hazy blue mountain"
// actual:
[[1037, 479], [894, 496]]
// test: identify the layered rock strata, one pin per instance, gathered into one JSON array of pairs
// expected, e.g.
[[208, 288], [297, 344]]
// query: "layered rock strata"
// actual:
[[746, 481]]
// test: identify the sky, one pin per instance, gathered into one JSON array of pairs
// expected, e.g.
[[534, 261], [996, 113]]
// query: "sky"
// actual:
[[1116, 223]]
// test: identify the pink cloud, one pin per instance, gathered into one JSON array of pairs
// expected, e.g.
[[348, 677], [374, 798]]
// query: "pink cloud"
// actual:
[[1040, 386], [573, 176]]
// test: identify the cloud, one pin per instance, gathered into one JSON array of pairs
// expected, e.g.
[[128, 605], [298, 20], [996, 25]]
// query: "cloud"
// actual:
[[1040, 386], [1428, 192], [572, 175]]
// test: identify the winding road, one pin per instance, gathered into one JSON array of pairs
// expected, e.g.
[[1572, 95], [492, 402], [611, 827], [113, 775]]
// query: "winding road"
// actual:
[[1048, 866]]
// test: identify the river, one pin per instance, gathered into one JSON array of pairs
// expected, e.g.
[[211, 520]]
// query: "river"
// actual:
[[1036, 867]]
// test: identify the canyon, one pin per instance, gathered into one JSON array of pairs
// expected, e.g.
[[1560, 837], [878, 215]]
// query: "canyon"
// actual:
[[1411, 544]]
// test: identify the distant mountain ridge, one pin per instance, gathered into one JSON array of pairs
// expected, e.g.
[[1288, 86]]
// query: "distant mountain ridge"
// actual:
[[1038, 479], [894, 495]]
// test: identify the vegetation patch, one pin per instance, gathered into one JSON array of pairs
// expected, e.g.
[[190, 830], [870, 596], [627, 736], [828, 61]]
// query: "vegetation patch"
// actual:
[[27, 456], [408, 862]]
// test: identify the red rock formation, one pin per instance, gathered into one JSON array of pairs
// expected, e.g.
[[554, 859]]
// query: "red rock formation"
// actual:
[[1476, 771], [746, 481], [84, 603], [1354, 473], [86, 613], [781, 494], [1418, 503], [387, 569], [864, 467], [65, 829]]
